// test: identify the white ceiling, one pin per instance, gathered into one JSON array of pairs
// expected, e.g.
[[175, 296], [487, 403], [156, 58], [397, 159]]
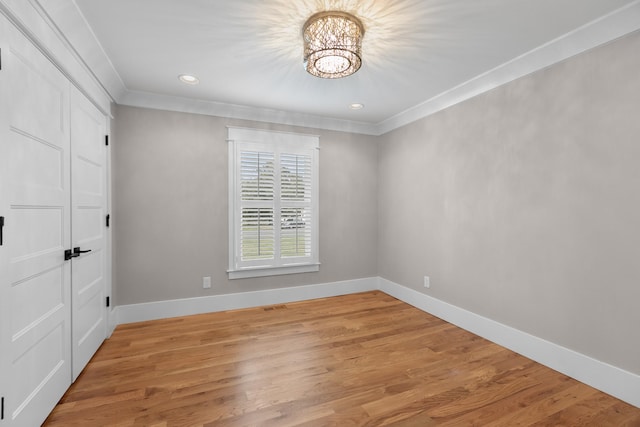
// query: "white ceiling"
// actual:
[[248, 53]]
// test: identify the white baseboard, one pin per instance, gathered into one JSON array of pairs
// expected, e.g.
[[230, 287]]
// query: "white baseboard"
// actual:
[[612, 380], [184, 307]]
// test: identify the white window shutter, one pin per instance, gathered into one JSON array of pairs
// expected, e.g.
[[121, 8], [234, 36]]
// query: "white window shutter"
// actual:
[[273, 197], [257, 233], [296, 209]]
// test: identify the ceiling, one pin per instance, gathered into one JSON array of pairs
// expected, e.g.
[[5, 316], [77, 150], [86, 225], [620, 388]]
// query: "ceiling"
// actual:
[[248, 53]]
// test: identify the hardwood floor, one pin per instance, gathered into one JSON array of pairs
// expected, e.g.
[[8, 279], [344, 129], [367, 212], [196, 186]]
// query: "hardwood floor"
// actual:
[[356, 360]]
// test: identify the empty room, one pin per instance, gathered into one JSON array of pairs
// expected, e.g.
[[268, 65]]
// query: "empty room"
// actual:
[[319, 213]]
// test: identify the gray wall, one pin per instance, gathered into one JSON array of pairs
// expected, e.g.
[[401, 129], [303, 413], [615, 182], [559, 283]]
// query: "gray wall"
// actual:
[[523, 204], [170, 207]]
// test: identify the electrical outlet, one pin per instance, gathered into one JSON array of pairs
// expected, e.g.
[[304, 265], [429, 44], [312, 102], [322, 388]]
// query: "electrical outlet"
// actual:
[[206, 282], [427, 282]]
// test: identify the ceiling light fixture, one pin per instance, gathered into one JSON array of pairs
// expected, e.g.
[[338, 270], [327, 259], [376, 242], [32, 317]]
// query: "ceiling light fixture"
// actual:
[[356, 106], [332, 44], [188, 79]]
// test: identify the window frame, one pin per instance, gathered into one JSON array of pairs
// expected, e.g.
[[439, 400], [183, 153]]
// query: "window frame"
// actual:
[[247, 139]]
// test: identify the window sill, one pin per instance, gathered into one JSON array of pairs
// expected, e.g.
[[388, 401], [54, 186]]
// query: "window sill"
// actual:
[[273, 271]]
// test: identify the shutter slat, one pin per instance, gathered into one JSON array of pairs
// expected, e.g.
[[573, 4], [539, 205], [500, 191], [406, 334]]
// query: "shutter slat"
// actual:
[[257, 175], [257, 236], [295, 232], [295, 177]]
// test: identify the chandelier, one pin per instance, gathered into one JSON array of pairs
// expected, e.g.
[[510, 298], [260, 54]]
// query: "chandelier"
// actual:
[[332, 44]]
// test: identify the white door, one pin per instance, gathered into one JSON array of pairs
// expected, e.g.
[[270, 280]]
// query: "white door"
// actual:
[[35, 281], [89, 201], [4, 208]]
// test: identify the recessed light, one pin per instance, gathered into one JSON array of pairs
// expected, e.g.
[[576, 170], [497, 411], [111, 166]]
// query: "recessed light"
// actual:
[[356, 106], [188, 79]]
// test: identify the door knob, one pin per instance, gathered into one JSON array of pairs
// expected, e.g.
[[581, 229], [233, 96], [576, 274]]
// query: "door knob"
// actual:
[[78, 251], [68, 254]]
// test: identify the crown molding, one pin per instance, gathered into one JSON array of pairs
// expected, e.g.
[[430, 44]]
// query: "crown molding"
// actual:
[[607, 28], [71, 25], [233, 111], [72, 32], [32, 20]]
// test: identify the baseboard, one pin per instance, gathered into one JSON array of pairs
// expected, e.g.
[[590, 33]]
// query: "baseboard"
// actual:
[[184, 307], [617, 382]]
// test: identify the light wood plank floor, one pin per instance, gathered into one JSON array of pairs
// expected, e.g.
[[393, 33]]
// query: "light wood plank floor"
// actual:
[[357, 360]]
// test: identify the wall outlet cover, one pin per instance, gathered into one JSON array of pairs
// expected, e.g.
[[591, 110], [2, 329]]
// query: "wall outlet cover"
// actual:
[[206, 282]]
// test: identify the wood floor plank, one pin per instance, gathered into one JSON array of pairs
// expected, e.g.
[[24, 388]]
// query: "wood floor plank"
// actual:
[[356, 360]]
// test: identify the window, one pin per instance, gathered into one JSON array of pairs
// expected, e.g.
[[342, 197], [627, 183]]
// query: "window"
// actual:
[[273, 203]]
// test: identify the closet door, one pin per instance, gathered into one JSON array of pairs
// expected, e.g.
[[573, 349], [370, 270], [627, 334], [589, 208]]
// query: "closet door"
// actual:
[[4, 208], [35, 280], [88, 234]]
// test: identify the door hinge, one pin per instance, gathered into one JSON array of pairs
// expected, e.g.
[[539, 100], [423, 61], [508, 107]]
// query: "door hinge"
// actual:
[[106, 140], [108, 302], [2, 408], [108, 219], [1, 228]]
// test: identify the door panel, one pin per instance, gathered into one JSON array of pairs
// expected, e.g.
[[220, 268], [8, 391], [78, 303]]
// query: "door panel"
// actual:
[[35, 284], [28, 153], [25, 308], [89, 201], [37, 92]]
